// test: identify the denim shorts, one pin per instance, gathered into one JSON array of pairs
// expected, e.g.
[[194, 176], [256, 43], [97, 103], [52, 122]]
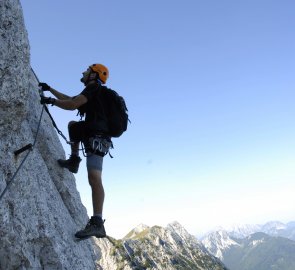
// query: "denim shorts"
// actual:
[[94, 162]]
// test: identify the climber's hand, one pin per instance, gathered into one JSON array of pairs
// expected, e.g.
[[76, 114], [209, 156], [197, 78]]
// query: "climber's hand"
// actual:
[[44, 86], [47, 100]]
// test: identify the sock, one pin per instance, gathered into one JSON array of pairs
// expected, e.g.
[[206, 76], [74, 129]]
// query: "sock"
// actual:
[[75, 149], [98, 215]]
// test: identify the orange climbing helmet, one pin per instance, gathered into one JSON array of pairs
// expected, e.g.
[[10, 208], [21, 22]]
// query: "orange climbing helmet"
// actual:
[[101, 70]]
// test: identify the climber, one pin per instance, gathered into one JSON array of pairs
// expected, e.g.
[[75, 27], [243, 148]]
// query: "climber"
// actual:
[[83, 131]]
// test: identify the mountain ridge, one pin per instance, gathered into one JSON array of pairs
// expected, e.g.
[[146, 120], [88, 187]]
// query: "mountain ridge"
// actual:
[[156, 247], [257, 250], [273, 228]]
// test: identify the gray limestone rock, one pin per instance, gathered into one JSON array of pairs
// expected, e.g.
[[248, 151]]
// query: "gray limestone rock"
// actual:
[[42, 209]]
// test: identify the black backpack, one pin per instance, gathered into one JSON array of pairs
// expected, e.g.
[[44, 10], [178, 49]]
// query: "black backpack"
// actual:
[[115, 111]]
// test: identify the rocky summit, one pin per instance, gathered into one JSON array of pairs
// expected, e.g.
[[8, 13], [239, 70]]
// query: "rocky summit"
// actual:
[[156, 247]]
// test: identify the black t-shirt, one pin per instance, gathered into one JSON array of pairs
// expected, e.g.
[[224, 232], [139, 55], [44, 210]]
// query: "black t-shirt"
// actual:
[[94, 109]]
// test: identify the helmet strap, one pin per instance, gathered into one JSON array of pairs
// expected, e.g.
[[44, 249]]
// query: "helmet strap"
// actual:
[[93, 79], [97, 78]]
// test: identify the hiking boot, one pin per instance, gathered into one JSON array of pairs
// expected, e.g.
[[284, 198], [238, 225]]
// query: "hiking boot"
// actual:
[[72, 164], [94, 227]]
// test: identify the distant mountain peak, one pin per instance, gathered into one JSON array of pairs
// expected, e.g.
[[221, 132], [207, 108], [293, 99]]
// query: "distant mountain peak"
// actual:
[[243, 230], [255, 250], [139, 231], [217, 242], [175, 224], [273, 226], [177, 228], [159, 248]]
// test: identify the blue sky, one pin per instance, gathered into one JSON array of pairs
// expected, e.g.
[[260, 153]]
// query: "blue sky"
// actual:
[[210, 91]]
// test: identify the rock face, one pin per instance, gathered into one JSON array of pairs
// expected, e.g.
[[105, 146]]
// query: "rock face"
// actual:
[[41, 210], [158, 248]]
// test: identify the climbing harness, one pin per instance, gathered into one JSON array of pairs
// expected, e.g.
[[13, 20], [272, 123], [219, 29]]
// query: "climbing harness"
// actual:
[[99, 145]]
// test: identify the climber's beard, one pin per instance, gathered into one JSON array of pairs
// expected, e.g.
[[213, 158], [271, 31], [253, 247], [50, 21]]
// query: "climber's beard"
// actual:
[[84, 80]]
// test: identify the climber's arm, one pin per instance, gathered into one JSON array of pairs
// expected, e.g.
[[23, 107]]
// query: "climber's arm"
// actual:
[[70, 104], [58, 94]]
